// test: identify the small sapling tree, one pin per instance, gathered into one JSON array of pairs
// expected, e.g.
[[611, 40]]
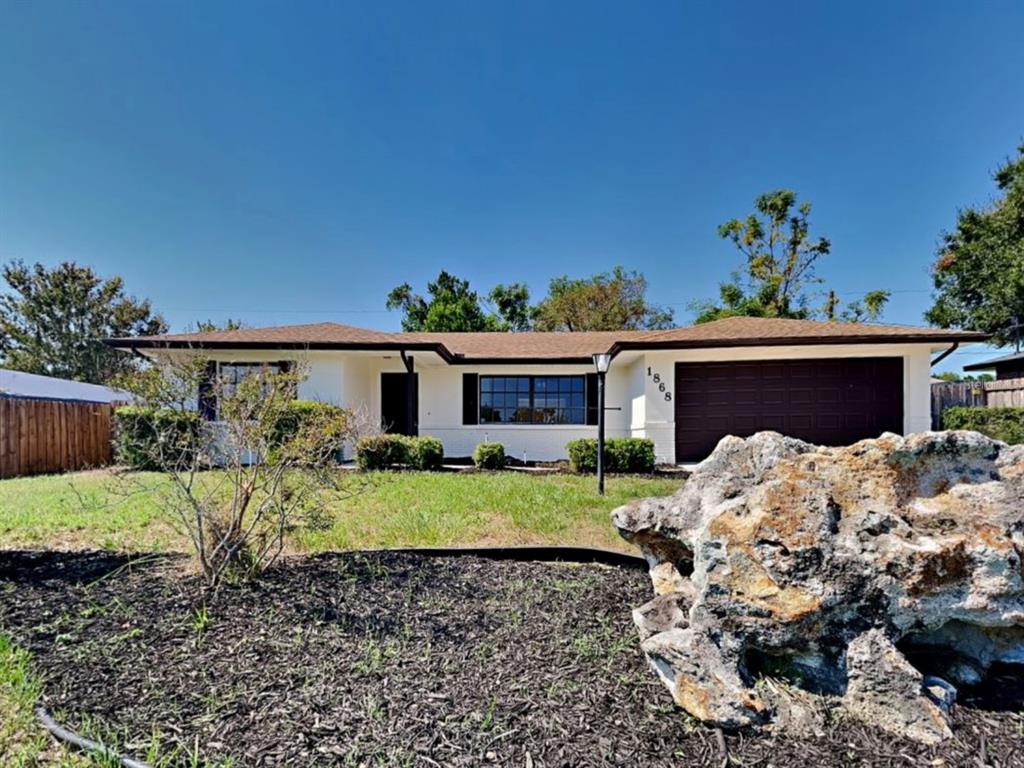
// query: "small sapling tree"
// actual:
[[240, 483]]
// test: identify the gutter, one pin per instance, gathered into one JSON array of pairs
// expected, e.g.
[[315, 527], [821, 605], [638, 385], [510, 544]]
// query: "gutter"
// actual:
[[793, 341], [619, 346], [383, 346], [944, 355]]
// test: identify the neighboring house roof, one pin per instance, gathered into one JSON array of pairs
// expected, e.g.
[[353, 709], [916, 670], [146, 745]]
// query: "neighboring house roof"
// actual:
[[1017, 357], [562, 346], [20, 384]]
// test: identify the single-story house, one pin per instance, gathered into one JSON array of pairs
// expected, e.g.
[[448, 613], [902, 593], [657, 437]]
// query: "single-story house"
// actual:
[[684, 388], [1007, 367]]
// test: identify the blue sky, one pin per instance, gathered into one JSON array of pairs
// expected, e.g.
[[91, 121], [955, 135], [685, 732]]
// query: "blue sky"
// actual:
[[291, 162]]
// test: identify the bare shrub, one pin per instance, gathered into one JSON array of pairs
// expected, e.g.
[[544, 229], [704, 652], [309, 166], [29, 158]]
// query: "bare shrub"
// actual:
[[241, 483]]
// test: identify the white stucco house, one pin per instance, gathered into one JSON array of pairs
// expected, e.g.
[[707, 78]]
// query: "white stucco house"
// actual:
[[685, 388]]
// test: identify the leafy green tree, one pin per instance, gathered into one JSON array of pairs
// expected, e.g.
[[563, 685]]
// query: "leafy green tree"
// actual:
[[512, 305], [953, 376], [979, 271], [608, 301], [52, 321], [603, 302], [207, 326], [867, 308], [779, 272], [451, 306]]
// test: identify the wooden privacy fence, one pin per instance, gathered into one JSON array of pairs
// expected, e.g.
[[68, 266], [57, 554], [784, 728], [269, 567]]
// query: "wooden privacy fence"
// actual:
[[41, 436], [1005, 393]]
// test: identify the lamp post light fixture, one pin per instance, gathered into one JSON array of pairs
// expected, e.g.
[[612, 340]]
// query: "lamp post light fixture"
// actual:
[[602, 361]]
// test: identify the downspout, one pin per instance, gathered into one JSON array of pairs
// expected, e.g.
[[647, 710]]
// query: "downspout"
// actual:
[[945, 354], [410, 394]]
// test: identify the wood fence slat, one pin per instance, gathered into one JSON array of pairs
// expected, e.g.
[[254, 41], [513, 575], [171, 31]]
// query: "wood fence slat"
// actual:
[[8, 429], [40, 436], [1004, 393]]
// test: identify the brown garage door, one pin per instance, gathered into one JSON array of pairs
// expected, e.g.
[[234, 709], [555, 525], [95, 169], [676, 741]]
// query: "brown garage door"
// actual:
[[830, 402]]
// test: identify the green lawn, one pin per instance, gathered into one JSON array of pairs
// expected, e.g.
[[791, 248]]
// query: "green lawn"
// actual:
[[90, 510]]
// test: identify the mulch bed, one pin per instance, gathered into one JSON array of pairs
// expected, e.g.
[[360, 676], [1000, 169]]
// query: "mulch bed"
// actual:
[[397, 659]]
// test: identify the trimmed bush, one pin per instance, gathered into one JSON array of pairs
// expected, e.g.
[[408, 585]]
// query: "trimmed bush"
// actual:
[[1006, 424], [309, 421], [300, 411], [583, 454], [621, 454], [383, 451], [630, 454], [426, 452], [489, 456], [138, 429]]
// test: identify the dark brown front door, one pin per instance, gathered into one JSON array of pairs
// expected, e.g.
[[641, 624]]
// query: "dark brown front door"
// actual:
[[829, 402], [395, 406]]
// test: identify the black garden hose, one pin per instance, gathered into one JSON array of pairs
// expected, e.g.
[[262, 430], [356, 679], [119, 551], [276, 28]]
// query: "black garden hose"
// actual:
[[71, 738]]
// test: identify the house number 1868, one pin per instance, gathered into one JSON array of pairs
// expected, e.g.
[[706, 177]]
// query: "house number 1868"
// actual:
[[656, 378]]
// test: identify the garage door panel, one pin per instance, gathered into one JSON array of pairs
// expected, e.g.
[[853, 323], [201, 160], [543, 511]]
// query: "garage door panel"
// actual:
[[829, 401], [744, 422], [746, 396], [802, 371], [801, 421], [828, 421], [828, 395], [719, 397], [857, 421], [775, 424]]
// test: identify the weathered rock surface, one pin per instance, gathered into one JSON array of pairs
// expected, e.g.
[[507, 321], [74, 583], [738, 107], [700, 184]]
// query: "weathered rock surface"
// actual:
[[824, 566]]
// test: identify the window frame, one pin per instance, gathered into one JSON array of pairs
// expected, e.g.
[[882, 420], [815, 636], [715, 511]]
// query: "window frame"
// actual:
[[532, 394], [214, 400]]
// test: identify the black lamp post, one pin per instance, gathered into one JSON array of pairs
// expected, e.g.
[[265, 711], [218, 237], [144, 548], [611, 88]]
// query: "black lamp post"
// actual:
[[602, 361]]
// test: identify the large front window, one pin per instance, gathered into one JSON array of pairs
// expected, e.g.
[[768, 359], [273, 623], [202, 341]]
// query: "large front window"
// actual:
[[221, 380], [533, 400], [231, 375]]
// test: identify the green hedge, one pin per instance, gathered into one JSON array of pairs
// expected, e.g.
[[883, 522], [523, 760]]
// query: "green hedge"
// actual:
[[489, 455], [383, 451], [327, 419], [298, 411], [427, 452], [1006, 424], [621, 454], [137, 430]]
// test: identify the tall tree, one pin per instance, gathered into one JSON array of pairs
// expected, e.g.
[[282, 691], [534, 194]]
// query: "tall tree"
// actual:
[[52, 321], [779, 271], [609, 301], [512, 306], [451, 306], [979, 271]]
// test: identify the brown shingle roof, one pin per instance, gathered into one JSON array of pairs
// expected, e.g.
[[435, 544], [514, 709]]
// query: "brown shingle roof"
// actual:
[[455, 347]]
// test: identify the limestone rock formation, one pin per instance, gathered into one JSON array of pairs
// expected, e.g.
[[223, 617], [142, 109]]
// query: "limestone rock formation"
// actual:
[[825, 567]]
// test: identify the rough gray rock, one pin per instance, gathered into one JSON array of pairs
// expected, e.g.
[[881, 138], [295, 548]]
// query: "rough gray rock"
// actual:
[[821, 566]]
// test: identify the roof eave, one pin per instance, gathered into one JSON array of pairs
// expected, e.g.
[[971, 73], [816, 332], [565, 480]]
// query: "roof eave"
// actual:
[[985, 366], [988, 365], [799, 341], [383, 346]]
